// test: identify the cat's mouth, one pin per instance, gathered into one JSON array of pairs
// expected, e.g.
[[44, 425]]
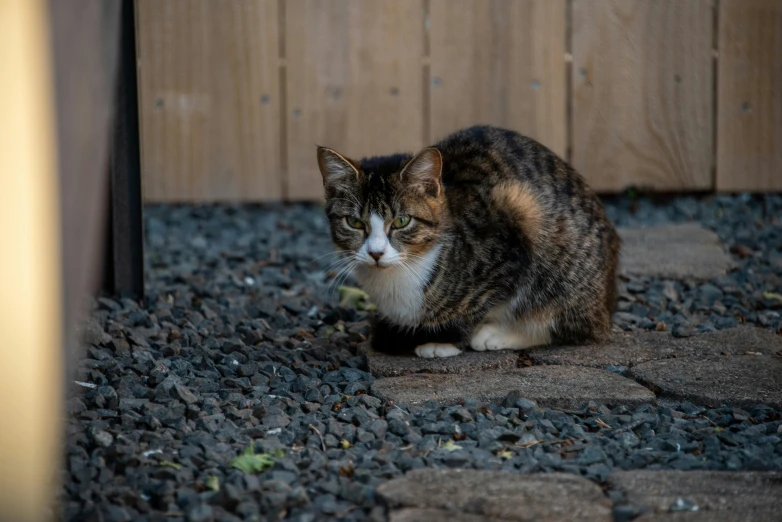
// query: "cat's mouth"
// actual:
[[377, 266]]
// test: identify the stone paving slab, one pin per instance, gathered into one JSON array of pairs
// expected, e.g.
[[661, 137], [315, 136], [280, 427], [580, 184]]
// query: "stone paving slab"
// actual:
[[739, 380], [494, 495], [708, 516], [567, 387], [633, 348], [385, 365], [683, 251], [717, 495], [434, 515]]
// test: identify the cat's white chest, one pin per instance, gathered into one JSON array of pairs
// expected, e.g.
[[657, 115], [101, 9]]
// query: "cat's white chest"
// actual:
[[398, 292]]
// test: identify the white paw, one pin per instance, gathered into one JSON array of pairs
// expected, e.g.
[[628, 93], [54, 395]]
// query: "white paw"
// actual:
[[432, 350], [495, 337]]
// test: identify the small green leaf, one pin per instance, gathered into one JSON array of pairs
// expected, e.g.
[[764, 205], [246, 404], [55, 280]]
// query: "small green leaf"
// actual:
[[328, 331], [351, 297], [169, 464], [344, 444], [505, 455], [250, 462], [212, 483], [450, 446], [771, 296], [718, 430]]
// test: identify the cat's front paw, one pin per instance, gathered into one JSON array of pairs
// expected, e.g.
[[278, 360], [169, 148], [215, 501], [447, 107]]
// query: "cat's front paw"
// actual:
[[495, 337], [433, 350]]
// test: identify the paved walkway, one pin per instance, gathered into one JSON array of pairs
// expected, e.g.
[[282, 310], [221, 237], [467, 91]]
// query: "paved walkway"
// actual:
[[741, 366], [466, 495], [673, 252]]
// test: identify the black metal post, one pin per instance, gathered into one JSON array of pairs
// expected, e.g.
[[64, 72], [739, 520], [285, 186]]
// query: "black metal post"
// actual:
[[125, 257]]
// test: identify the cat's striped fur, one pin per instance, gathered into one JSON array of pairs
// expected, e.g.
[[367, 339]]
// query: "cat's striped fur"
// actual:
[[506, 248]]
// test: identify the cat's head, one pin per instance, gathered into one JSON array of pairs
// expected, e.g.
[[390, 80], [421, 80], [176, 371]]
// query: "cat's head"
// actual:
[[384, 211]]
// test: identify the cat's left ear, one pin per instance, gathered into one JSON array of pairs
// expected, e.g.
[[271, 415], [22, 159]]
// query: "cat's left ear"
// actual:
[[423, 172]]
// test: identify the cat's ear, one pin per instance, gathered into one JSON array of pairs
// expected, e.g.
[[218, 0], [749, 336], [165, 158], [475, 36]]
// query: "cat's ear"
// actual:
[[337, 170], [423, 172]]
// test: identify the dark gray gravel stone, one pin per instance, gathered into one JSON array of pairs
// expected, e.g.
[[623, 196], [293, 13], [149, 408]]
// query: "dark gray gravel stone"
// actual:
[[184, 394]]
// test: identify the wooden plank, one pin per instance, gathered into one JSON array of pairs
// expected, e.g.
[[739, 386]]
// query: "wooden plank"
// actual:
[[354, 82], [499, 62], [84, 44], [749, 100], [643, 93], [209, 99], [31, 302]]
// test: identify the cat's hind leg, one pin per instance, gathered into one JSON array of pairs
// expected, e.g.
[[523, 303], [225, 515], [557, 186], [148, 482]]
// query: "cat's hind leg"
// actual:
[[512, 335]]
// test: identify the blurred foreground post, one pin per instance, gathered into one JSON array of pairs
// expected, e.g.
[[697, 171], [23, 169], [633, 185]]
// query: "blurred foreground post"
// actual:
[[58, 61], [30, 271]]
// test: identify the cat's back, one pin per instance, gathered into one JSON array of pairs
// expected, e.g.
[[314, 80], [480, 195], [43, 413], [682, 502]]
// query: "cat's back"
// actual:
[[484, 156], [502, 179]]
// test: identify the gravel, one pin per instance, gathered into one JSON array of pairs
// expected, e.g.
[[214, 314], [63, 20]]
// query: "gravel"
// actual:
[[750, 226], [240, 344]]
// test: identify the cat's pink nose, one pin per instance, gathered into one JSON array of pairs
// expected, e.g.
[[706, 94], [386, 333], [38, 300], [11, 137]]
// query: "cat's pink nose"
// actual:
[[376, 255]]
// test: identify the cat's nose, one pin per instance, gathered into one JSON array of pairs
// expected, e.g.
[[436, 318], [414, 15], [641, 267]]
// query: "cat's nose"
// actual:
[[376, 255]]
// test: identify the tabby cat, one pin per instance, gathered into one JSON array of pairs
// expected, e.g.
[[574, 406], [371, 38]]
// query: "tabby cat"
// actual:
[[485, 240]]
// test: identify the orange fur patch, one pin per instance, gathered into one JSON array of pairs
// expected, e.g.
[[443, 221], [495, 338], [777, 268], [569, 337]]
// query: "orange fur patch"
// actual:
[[517, 199]]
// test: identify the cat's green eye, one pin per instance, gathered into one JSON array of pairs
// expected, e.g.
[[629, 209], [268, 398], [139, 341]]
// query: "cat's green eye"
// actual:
[[354, 222], [401, 222]]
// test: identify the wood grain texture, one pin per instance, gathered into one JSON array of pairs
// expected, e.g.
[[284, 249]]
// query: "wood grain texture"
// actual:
[[85, 42], [749, 106], [354, 82], [499, 62], [643, 93], [209, 99]]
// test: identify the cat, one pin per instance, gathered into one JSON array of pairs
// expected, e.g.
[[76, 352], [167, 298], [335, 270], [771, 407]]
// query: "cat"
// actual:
[[486, 240]]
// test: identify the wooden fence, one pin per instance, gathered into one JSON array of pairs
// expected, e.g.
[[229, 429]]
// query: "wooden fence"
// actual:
[[670, 95]]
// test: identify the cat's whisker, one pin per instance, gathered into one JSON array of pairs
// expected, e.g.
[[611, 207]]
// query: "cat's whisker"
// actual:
[[333, 265], [343, 274], [438, 264], [327, 254], [413, 272], [337, 264], [347, 272]]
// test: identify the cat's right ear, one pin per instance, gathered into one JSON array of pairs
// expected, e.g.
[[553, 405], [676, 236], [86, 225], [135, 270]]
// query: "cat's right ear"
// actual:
[[336, 169]]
